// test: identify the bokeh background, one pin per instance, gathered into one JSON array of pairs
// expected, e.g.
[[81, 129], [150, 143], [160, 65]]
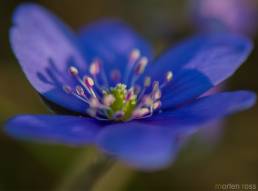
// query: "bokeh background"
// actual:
[[231, 157]]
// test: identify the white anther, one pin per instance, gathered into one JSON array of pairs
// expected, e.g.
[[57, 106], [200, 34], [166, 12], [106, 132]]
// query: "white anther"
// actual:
[[108, 100], [135, 54], [94, 102], [144, 61], [147, 100], [156, 105], [73, 71], [169, 76], [95, 68], [88, 81], [140, 112]]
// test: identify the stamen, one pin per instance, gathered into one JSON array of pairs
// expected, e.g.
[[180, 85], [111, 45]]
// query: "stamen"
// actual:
[[155, 85], [118, 115], [139, 69], [95, 67], [80, 91], [94, 102], [140, 112], [95, 70], [92, 112], [73, 71], [67, 89], [84, 99], [147, 100], [168, 78], [136, 89], [115, 75], [147, 81], [130, 94], [141, 66], [157, 94], [119, 103], [157, 105], [88, 82], [108, 100], [135, 55]]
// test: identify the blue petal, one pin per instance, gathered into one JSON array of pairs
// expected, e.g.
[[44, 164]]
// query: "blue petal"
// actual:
[[112, 41], [45, 48], [206, 109], [143, 146], [187, 85], [69, 130], [199, 64]]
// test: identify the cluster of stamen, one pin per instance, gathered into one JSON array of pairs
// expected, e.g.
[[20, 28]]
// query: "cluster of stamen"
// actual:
[[122, 102]]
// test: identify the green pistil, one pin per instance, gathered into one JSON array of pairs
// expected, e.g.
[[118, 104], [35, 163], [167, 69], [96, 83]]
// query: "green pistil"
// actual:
[[121, 104]]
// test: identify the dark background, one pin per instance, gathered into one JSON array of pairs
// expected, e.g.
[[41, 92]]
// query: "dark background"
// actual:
[[202, 164]]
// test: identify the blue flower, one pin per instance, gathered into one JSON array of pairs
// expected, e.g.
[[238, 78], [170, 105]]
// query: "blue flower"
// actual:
[[238, 16], [129, 105]]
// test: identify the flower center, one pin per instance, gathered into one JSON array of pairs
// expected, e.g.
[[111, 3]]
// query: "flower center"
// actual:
[[123, 102]]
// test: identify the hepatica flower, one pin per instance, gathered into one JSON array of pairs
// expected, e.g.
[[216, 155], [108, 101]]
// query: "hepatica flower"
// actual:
[[131, 106]]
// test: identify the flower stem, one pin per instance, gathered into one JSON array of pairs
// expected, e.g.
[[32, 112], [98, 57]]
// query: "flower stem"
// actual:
[[86, 173]]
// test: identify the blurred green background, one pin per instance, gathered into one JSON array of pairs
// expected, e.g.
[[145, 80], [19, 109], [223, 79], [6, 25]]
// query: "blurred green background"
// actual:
[[200, 166]]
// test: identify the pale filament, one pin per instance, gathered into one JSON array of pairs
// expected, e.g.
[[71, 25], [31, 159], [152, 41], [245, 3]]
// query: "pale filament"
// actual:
[[98, 96]]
